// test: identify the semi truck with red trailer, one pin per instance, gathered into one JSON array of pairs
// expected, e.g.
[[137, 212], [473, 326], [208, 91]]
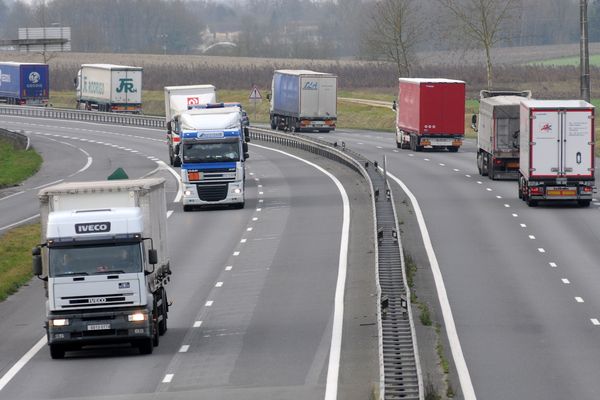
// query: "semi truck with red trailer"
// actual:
[[556, 151], [430, 113], [497, 127]]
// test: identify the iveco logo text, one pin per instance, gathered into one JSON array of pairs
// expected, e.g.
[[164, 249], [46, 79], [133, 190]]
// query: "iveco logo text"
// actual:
[[97, 300], [93, 227]]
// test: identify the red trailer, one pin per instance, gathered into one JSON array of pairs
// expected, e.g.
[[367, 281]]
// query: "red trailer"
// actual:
[[430, 113]]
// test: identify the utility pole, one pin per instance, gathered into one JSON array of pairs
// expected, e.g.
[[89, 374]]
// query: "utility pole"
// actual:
[[584, 52]]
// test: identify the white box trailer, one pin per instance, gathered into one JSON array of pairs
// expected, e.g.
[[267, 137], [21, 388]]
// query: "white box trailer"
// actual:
[[178, 100], [556, 159], [109, 87], [303, 100]]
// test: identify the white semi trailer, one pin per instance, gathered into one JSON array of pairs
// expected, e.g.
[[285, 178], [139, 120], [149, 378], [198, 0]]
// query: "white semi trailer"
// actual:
[[109, 87]]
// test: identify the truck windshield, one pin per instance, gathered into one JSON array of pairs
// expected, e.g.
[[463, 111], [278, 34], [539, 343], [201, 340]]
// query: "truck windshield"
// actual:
[[92, 260], [211, 152]]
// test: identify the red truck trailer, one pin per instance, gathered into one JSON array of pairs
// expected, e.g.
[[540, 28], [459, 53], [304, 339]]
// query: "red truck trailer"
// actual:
[[557, 151], [430, 113]]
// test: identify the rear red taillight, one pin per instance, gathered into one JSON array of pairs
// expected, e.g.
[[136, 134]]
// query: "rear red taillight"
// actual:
[[176, 139], [498, 161], [535, 190], [587, 189]]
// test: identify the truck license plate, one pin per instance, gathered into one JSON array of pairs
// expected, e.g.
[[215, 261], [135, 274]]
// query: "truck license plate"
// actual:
[[561, 192], [98, 327]]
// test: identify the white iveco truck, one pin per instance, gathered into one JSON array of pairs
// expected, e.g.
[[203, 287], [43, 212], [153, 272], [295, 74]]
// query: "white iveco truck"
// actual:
[[105, 261]]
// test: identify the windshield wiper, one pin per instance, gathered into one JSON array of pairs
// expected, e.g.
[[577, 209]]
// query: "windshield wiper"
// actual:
[[112, 271], [72, 274]]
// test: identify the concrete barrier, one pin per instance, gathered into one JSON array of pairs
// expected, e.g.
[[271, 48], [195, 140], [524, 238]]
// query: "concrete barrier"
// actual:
[[19, 140]]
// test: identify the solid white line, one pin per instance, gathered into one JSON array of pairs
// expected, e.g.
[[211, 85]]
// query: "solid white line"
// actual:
[[21, 363], [333, 369], [19, 222], [177, 178], [184, 348], [12, 195], [455, 347], [169, 213], [168, 378], [47, 184]]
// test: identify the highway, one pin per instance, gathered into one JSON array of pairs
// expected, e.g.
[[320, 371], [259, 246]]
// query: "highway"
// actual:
[[253, 289], [521, 281]]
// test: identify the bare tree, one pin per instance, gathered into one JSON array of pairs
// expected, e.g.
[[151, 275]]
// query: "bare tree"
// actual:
[[393, 32], [485, 23]]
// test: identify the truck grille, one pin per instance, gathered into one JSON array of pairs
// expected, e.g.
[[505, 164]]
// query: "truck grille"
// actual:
[[96, 301], [212, 192]]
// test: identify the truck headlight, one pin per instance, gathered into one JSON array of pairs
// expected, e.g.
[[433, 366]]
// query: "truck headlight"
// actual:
[[59, 322], [137, 317], [237, 190], [187, 192]]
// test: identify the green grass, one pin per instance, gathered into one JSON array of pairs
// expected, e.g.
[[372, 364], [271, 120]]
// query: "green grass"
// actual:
[[16, 165], [15, 257], [567, 61]]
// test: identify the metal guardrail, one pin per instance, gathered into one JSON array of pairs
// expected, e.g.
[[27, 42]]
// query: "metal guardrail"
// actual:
[[81, 115], [400, 370]]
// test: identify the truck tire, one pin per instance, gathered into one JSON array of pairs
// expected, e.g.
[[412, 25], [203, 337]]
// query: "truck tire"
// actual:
[[584, 203], [273, 124], [162, 325], [57, 351], [452, 149], [176, 161], [145, 346], [490, 169], [398, 145]]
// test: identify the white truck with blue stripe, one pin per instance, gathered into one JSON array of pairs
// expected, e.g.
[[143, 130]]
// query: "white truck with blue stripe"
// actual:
[[213, 152]]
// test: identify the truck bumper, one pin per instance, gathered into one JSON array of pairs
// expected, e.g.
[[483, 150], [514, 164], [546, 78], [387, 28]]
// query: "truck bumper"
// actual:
[[213, 194], [109, 326], [570, 191], [439, 142]]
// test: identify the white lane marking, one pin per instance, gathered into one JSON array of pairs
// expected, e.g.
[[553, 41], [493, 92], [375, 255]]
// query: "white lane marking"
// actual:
[[249, 229], [13, 195], [228, 268], [168, 378], [243, 240], [565, 281], [209, 303], [47, 184], [531, 237], [260, 186], [507, 205], [169, 213], [541, 250], [10, 374], [515, 215], [236, 253], [498, 197], [442, 165], [259, 209], [523, 226], [455, 347], [19, 222], [479, 182], [184, 348], [197, 324], [456, 170], [379, 147], [219, 284], [579, 299], [426, 159], [553, 265], [488, 189], [333, 369], [254, 219], [261, 193], [411, 155], [260, 200], [595, 321], [468, 176]]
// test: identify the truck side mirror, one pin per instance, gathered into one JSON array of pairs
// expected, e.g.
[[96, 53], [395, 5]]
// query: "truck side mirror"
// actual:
[[169, 128], [152, 256], [246, 134], [474, 122], [36, 261], [394, 105], [245, 149]]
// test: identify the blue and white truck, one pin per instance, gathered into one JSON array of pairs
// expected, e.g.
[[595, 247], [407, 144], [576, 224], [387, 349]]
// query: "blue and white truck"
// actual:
[[105, 262], [24, 83], [213, 152], [303, 100]]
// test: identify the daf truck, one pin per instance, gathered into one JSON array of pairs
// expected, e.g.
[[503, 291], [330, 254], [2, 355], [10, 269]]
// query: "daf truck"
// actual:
[[303, 100], [105, 263], [109, 87], [430, 113], [24, 83], [497, 128], [556, 159], [213, 152], [179, 99]]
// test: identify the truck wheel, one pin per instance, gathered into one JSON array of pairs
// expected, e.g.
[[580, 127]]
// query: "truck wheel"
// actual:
[[532, 203], [520, 189], [584, 203], [452, 149], [273, 124], [57, 351], [176, 161], [187, 208], [162, 325], [145, 346]]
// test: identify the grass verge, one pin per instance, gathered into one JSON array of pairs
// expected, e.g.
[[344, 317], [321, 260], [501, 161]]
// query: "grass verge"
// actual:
[[15, 257], [16, 165]]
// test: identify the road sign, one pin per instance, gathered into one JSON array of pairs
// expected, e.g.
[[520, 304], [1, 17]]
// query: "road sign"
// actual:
[[255, 94]]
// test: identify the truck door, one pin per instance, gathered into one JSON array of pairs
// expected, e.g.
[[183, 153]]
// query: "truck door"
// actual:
[[578, 149], [545, 143]]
